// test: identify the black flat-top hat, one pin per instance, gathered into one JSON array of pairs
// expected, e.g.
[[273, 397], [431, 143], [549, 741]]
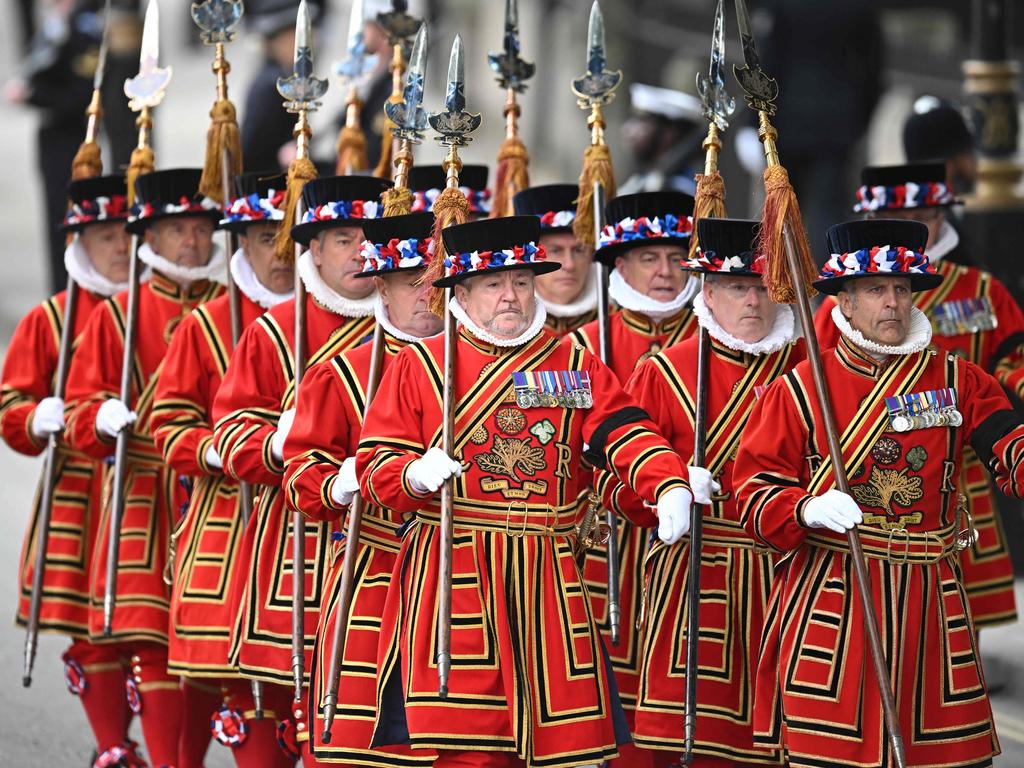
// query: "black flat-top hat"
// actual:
[[427, 182], [493, 245], [95, 201], [903, 187], [727, 247], [643, 218], [259, 199], [553, 204], [338, 201], [166, 194], [938, 133], [877, 248], [397, 244]]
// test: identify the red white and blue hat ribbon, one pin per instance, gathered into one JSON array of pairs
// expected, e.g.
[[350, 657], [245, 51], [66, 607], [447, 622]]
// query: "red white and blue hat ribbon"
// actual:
[[479, 199], [746, 263], [877, 260], [344, 209], [411, 253], [183, 206], [228, 727], [646, 228], [925, 194], [552, 219], [112, 208], [481, 261], [255, 208]]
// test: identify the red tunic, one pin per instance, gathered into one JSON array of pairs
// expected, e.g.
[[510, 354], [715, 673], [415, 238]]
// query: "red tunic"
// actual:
[[528, 671], [987, 568], [153, 496], [206, 540], [633, 339], [334, 393], [735, 573], [28, 377], [258, 386], [816, 692]]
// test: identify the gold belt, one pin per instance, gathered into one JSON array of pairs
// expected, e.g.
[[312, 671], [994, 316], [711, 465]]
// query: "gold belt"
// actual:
[[898, 545], [519, 520]]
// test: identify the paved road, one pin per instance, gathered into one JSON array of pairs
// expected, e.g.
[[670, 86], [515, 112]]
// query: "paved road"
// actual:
[[44, 724]]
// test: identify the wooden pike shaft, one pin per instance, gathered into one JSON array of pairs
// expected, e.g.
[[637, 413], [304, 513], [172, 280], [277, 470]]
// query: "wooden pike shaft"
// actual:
[[452, 166], [605, 353], [348, 565], [302, 136], [49, 481], [768, 134], [94, 113], [145, 125], [121, 450], [696, 544]]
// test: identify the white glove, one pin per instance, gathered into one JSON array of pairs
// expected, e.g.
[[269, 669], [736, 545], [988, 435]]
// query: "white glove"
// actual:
[[834, 510], [113, 416], [284, 425], [212, 458], [429, 473], [345, 486], [48, 417], [674, 514], [702, 485]]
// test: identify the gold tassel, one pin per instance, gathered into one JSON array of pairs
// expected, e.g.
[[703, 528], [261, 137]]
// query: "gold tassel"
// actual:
[[512, 175], [88, 162], [299, 172], [597, 166], [782, 209], [397, 201], [709, 202], [142, 161], [450, 208], [351, 150], [222, 135]]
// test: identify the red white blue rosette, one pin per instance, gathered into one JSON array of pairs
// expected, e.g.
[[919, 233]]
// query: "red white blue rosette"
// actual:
[[74, 677], [255, 208], [646, 228], [900, 197], [410, 253], [228, 727], [557, 219], [747, 263], [344, 209], [185, 205], [133, 695], [459, 264], [112, 208]]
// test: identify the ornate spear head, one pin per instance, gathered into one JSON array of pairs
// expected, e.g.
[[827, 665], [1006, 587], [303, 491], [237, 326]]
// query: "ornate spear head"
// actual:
[[358, 65], [454, 123], [101, 59], [512, 71], [408, 114], [760, 89], [718, 104], [217, 19], [598, 86], [146, 89], [400, 25], [302, 91]]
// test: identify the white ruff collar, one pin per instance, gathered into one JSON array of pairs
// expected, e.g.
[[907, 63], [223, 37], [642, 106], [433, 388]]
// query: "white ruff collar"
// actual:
[[381, 315], [540, 314], [918, 337], [81, 270], [627, 297], [779, 336], [247, 282], [586, 302], [948, 240], [327, 297], [184, 276]]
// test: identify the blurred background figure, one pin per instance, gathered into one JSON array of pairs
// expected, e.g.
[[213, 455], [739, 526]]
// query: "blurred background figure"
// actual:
[[266, 127], [377, 87], [663, 135], [55, 78]]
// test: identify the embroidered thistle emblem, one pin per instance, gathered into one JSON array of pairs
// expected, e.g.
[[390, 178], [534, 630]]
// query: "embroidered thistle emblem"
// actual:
[[509, 455], [479, 436], [886, 488]]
